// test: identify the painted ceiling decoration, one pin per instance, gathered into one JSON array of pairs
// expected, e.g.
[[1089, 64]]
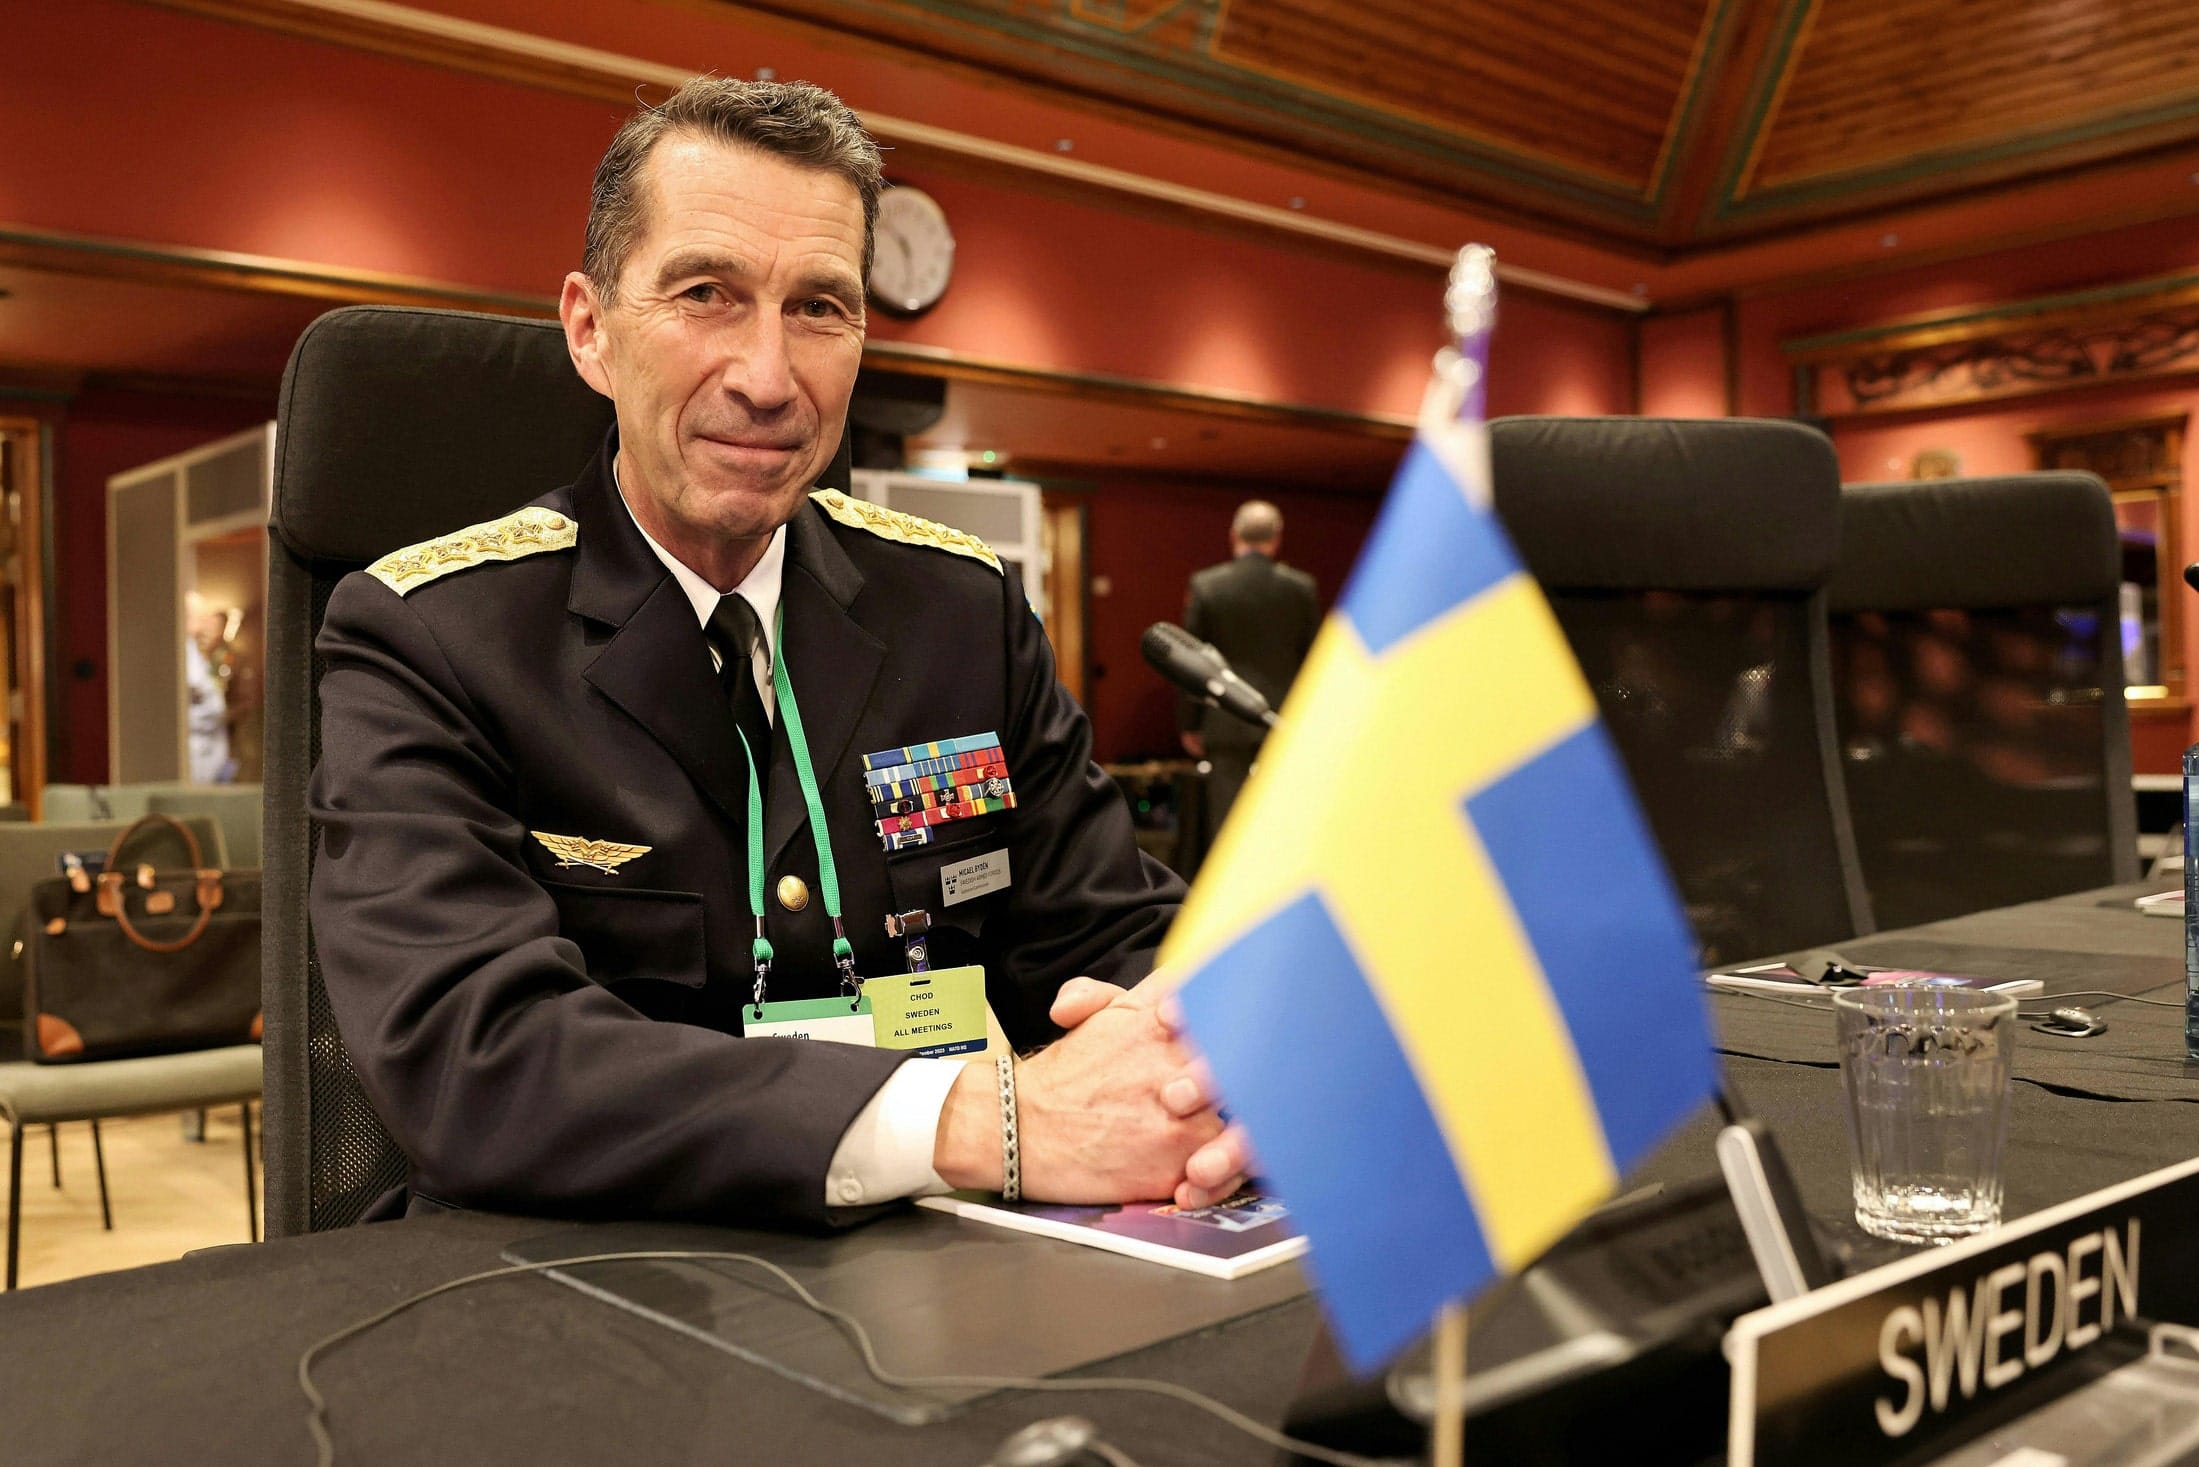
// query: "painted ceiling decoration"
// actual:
[[1641, 122]]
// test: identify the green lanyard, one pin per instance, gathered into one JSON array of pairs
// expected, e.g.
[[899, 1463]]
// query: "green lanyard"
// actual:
[[828, 875]]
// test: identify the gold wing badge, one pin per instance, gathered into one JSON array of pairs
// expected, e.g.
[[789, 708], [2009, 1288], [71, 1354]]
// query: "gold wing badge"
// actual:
[[605, 855]]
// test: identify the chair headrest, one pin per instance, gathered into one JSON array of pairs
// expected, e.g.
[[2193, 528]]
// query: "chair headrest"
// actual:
[[2044, 539], [1668, 504], [400, 424]]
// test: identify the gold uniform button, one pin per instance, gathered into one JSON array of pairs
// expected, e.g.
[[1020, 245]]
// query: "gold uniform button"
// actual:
[[793, 893]]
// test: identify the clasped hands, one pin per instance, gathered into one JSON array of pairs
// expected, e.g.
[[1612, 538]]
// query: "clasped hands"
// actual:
[[1117, 1110]]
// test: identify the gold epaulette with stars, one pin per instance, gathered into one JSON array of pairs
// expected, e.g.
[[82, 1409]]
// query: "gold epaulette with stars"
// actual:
[[891, 524], [527, 532]]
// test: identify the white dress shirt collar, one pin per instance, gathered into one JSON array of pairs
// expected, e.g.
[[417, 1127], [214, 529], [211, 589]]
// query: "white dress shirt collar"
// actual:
[[760, 588]]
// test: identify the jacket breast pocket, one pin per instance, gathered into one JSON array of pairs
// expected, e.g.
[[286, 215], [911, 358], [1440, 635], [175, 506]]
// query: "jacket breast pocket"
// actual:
[[633, 936], [959, 881]]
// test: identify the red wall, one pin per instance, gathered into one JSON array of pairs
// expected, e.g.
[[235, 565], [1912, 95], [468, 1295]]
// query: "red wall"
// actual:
[[103, 433], [1683, 373], [362, 172], [1046, 282], [1682, 355], [1549, 356], [1991, 441], [1982, 280], [274, 145]]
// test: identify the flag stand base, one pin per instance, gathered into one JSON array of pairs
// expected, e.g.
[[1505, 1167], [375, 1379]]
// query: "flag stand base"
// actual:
[[1620, 1320]]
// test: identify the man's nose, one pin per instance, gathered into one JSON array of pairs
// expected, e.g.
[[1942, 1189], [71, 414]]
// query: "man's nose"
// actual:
[[758, 370]]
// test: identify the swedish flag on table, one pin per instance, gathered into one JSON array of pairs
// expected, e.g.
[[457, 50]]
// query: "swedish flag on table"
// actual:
[[1451, 996]]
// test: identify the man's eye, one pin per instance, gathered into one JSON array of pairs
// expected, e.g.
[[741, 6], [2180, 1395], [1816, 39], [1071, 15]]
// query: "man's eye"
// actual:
[[703, 294], [817, 308]]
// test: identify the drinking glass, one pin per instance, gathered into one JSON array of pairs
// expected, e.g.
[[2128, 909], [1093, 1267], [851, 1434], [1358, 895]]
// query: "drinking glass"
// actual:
[[1925, 1071]]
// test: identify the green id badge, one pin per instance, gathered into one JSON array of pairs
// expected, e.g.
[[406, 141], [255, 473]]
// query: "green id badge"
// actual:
[[929, 1014], [844, 1020]]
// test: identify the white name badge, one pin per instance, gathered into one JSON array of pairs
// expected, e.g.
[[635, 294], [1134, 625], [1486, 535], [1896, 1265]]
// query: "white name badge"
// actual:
[[975, 877], [843, 1020]]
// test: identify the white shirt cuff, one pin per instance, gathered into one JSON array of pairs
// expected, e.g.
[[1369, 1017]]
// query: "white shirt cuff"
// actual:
[[886, 1152]]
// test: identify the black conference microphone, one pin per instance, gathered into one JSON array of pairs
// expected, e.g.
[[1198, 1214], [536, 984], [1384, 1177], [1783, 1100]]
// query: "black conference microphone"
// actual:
[[1203, 672]]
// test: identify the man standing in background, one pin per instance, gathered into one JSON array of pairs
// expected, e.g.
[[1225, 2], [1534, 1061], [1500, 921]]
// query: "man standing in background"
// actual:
[[1262, 616]]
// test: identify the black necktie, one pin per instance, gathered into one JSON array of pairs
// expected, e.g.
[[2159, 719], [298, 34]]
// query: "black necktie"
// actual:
[[735, 632]]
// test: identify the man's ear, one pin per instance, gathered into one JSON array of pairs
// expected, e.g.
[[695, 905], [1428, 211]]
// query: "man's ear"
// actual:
[[581, 311]]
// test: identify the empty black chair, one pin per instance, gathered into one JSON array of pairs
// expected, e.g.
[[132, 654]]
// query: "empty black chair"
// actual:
[[394, 426], [1978, 680], [1686, 562]]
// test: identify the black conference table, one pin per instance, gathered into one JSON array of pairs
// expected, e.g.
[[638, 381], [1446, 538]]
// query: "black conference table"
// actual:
[[196, 1361]]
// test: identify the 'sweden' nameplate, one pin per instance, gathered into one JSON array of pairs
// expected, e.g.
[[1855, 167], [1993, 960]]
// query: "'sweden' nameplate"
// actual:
[[1929, 1350]]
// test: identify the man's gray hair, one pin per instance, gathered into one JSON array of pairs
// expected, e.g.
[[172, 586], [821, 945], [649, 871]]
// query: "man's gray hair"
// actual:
[[1258, 523], [802, 123]]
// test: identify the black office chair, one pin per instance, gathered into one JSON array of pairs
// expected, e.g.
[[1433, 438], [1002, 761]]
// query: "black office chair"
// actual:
[[1686, 562], [395, 426], [1978, 686]]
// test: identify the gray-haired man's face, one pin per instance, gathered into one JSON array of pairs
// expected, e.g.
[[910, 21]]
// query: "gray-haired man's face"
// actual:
[[735, 341]]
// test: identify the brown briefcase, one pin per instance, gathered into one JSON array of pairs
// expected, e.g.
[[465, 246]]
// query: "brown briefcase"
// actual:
[[134, 960]]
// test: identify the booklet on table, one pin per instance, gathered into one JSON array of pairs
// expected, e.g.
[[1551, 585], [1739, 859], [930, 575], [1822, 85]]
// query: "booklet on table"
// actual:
[[1236, 1236]]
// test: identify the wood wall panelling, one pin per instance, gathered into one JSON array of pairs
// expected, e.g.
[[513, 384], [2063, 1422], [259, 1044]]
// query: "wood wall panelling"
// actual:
[[25, 497], [2145, 330]]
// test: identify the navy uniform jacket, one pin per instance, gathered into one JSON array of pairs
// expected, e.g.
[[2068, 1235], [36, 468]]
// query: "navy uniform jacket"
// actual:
[[556, 1038], [1263, 617]]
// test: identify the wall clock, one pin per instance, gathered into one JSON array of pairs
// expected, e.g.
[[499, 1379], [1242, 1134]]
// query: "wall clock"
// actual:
[[914, 258]]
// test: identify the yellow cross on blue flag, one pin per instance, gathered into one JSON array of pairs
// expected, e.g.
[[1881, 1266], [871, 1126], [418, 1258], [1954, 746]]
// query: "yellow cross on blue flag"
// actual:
[[1435, 961]]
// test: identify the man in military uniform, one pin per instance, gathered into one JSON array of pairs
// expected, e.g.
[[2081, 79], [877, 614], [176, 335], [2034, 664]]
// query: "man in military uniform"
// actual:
[[543, 899], [1262, 615]]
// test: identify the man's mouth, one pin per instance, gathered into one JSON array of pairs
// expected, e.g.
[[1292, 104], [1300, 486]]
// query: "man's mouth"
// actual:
[[749, 444]]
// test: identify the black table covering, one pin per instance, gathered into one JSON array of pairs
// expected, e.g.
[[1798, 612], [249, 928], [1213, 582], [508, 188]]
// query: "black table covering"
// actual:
[[2095, 941], [195, 1361]]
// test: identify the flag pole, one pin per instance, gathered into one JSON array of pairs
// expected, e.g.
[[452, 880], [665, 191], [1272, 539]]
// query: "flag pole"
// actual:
[[1470, 313], [1448, 1445], [1469, 308]]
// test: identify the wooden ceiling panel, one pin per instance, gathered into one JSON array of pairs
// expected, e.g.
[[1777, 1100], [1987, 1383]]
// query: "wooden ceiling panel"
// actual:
[[1482, 69], [1671, 123], [1564, 109], [1875, 85]]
